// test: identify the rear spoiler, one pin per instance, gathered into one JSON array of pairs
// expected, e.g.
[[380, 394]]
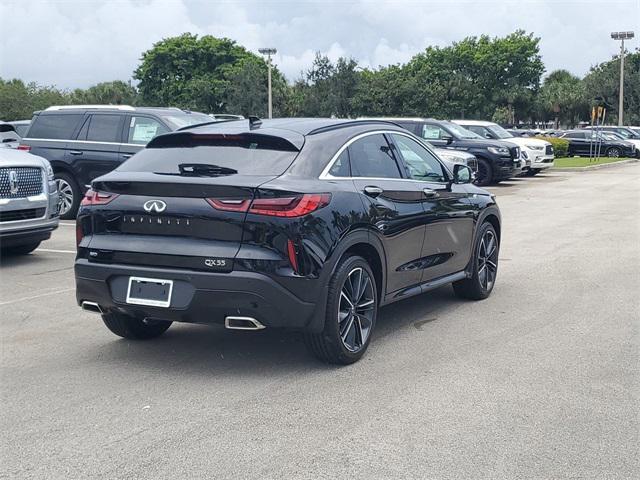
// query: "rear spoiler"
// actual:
[[189, 139]]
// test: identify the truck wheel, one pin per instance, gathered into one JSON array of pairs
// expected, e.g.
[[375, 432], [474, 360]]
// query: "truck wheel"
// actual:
[[69, 195], [134, 328], [21, 249], [484, 175]]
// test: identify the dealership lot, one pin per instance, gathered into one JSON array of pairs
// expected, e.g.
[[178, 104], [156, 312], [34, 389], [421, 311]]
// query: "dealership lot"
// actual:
[[539, 380]]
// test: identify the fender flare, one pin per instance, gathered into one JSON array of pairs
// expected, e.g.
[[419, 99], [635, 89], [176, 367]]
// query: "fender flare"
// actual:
[[353, 237]]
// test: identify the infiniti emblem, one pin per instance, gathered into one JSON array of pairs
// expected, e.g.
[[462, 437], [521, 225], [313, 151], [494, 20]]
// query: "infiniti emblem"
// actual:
[[157, 206], [13, 182]]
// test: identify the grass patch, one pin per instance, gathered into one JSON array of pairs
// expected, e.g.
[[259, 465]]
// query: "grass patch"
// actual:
[[583, 161]]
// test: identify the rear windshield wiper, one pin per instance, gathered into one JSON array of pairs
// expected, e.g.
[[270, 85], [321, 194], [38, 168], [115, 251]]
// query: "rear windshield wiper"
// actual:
[[204, 170]]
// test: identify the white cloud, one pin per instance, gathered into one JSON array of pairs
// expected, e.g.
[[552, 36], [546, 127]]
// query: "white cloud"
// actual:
[[74, 43]]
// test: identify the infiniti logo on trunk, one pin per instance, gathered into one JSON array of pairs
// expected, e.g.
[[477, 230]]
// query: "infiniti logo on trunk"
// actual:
[[157, 206]]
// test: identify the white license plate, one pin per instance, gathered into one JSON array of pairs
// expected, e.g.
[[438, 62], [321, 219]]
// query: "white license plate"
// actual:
[[154, 292]]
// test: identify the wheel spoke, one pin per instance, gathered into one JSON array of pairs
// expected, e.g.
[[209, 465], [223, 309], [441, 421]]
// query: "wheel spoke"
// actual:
[[363, 289], [492, 266], [366, 305], [359, 336], [491, 246], [344, 333], [346, 297]]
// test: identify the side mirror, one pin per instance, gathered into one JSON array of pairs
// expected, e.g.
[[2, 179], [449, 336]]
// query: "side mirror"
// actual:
[[447, 138], [462, 174]]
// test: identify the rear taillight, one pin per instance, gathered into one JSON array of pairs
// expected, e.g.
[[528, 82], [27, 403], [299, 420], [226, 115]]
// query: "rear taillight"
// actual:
[[229, 205], [97, 198], [295, 206], [79, 233], [26, 148]]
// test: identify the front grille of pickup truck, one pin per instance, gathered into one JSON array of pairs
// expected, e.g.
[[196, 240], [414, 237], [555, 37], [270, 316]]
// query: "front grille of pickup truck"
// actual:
[[20, 182], [25, 214]]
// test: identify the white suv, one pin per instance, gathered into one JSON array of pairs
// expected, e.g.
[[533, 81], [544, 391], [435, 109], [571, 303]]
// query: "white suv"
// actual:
[[28, 201], [536, 154]]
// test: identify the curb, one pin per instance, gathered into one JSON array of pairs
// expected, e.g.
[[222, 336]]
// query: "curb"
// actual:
[[593, 167]]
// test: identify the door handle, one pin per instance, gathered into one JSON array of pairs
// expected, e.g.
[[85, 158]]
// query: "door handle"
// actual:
[[430, 193], [373, 191], [127, 155], [75, 152]]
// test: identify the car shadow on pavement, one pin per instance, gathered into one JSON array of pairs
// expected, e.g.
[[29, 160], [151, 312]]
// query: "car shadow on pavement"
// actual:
[[211, 350], [20, 260]]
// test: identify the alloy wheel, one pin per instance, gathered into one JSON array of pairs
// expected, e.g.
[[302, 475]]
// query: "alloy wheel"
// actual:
[[613, 152], [356, 309], [65, 196], [487, 260]]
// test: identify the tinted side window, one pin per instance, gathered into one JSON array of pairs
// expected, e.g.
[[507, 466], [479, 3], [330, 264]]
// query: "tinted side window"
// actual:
[[104, 128], [479, 130], [371, 156], [143, 129], [55, 126], [421, 163], [340, 167]]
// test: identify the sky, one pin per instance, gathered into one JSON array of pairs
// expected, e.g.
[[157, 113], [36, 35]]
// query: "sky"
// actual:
[[77, 43]]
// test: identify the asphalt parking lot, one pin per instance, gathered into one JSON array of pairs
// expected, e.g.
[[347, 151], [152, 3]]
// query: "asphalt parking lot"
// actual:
[[539, 381]]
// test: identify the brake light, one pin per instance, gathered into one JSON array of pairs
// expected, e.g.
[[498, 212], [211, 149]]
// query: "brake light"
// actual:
[[295, 206], [26, 148], [97, 198]]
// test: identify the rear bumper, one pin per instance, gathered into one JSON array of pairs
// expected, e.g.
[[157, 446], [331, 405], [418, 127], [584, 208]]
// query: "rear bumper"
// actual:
[[198, 297]]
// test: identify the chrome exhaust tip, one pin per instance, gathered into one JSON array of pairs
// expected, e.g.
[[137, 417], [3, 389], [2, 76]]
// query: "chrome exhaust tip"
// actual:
[[242, 323], [91, 307]]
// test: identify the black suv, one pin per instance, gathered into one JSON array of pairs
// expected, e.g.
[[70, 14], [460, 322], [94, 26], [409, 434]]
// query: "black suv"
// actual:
[[497, 159], [83, 142], [300, 223], [587, 142]]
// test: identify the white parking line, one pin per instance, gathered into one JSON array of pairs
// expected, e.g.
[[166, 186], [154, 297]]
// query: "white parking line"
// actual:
[[50, 250], [67, 224], [24, 299]]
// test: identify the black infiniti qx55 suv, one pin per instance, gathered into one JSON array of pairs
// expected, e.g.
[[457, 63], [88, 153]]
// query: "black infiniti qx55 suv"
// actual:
[[309, 224]]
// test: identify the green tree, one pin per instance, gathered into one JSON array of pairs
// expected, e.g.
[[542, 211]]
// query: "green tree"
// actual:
[[116, 92], [189, 72], [18, 100], [602, 85], [562, 98]]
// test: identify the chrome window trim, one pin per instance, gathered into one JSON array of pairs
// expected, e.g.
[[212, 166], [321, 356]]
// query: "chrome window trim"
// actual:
[[84, 141], [325, 175]]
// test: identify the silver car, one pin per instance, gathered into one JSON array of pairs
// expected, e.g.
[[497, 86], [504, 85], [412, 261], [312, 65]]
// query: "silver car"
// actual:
[[28, 201]]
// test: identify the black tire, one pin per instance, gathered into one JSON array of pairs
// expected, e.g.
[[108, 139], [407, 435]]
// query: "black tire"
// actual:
[[532, 172], [346, 336], [613, 152], [479, 287], [133, 328], [69, 195], [20, 249], [484, 174]]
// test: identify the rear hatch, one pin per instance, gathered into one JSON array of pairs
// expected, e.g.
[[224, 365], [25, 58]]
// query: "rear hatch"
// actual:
[[181, 202]]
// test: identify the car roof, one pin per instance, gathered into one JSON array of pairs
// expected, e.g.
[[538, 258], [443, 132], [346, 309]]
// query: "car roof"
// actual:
[[301, 126], [114, 108], [480, 123]]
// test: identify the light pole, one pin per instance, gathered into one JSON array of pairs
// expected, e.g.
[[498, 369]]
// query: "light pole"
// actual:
[[622, 36], [268, 52]]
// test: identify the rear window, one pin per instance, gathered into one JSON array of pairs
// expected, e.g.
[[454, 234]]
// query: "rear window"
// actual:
[[55, 126], [215, 155]]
